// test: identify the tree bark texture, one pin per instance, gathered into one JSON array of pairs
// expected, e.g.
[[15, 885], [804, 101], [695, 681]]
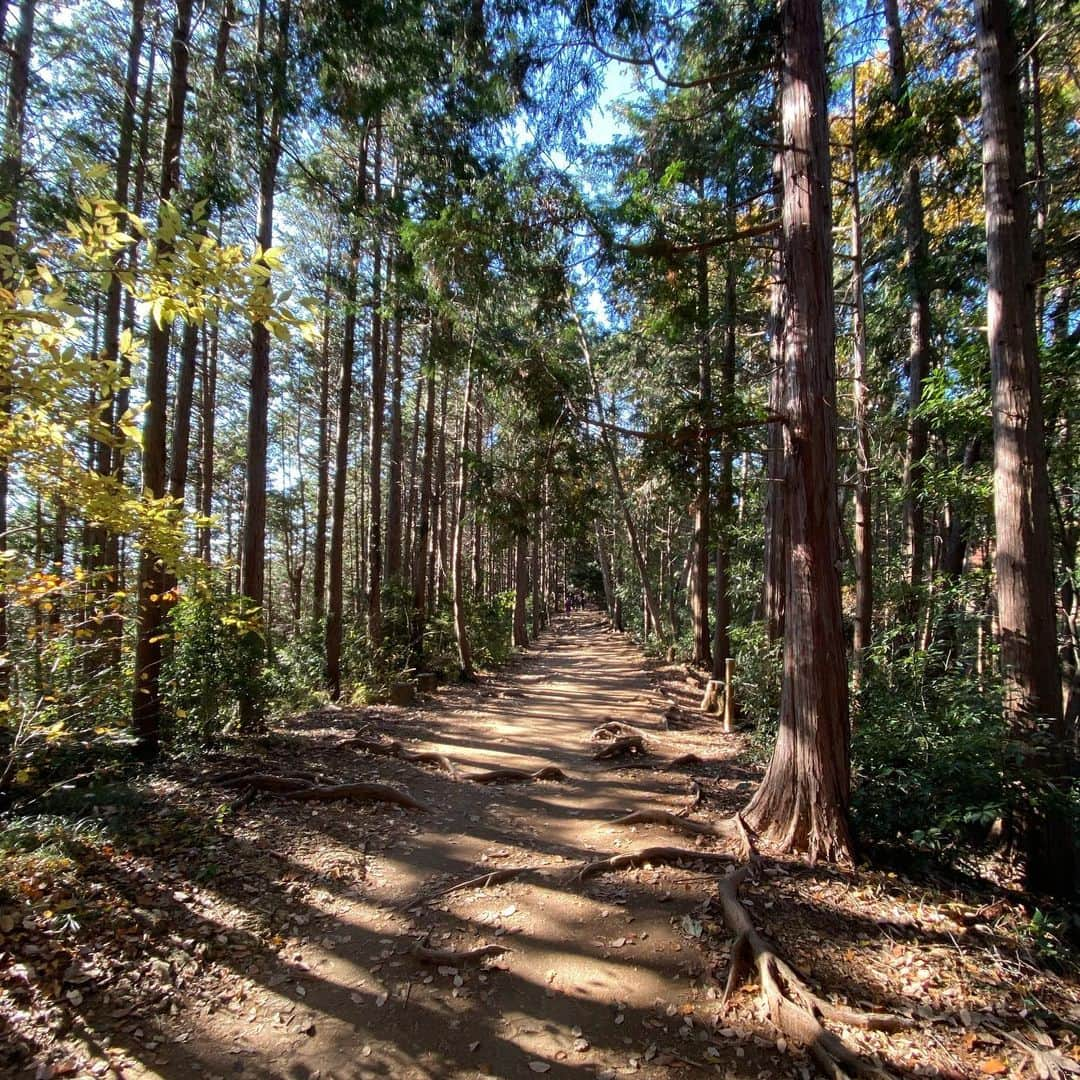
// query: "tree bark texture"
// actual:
[[804, 798], [1022, 562]]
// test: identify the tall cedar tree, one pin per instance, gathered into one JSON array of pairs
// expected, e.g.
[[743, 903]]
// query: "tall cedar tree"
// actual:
[[1022, 563], [804, 798]]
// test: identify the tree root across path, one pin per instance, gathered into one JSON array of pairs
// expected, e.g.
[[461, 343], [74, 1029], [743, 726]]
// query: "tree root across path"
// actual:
[[512, 776], [729, 829], [613, 730], [456, 957], [621, 747], [794, 1009], [651, 856], [396, 749], [302, 789], [635, 860]]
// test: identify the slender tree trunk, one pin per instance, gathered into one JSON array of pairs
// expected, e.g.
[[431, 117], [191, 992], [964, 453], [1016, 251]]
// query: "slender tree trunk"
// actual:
[[322, 495], [699, 580], [439, 547], [724, 531], [268, 129], [138, 198], [1023, 564], [336, 591], [537, 619], [605, 572], [11, 191], [461, 629], [182, 406], [652, 609], [919, 292], [378, 419], [804, 798], [421, 576], [864, 577], [208, 405], [146, 708], [394, 498], [521, 588], [411, 487], [104, 569], [226, 22], [477, 553]]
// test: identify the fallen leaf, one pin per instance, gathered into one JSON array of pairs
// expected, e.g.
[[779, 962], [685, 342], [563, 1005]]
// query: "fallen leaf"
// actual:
[[539, 1066], [993, 1067]]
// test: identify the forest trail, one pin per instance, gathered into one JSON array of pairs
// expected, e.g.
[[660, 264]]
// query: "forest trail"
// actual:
[[602, 977]]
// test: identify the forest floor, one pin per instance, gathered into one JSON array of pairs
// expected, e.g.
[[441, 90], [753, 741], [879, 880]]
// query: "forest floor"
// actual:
[[189, 928]]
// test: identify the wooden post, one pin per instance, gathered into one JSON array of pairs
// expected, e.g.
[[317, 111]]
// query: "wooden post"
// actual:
[[729, 694]]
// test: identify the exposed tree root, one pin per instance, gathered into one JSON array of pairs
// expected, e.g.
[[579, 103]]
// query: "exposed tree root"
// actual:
[[794, 1009], [456, 957], [512, 776], [621, 747], [396, 749], [731, 828], [653, 856], [493, 877], [359, 792], [616, 729]]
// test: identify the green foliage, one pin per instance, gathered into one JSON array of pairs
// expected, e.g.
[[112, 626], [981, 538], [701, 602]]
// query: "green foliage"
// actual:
[[929, 758], [215, 657], [757, 681], [490, 626]]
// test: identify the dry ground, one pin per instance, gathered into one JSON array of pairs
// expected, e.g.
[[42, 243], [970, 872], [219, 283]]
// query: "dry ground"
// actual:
[[198, 932]]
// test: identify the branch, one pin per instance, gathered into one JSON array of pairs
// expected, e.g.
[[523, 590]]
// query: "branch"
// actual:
[[668, 248], [651, 62], [686, 435]]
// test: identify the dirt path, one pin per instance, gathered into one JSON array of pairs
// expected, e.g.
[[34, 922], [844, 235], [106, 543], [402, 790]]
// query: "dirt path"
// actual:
[[176, 928], [602, 977]]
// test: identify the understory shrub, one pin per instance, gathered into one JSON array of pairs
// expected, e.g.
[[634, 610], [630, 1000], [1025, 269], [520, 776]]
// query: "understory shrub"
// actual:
[[214, 656], [929, 759]]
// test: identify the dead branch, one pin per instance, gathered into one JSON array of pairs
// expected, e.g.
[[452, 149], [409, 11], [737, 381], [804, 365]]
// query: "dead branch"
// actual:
[[456, 957], [359, 792], [511, 776], [652, 856], [398, 750], [620, 747], [794, 1009]]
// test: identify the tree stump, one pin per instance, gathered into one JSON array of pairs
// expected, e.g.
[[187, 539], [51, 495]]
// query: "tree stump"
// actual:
[[710, 701]]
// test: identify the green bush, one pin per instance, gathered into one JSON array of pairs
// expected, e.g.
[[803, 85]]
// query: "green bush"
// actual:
[[929, 756], [214, 657]]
